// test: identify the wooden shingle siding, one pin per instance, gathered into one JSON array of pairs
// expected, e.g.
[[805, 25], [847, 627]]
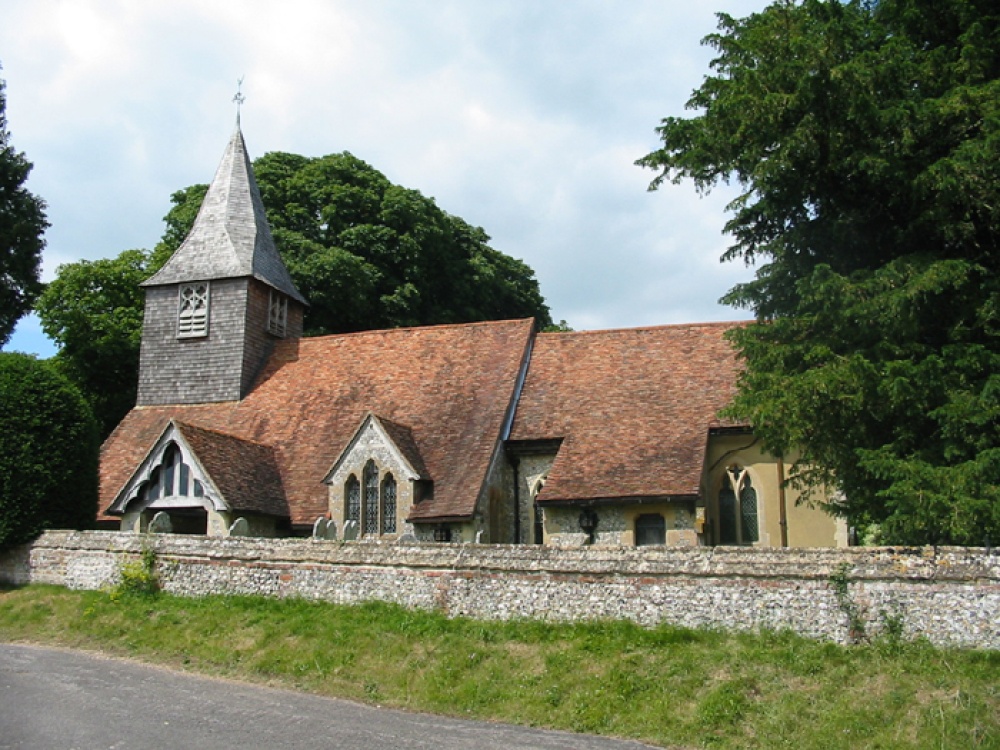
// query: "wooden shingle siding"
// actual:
[[176, 370]]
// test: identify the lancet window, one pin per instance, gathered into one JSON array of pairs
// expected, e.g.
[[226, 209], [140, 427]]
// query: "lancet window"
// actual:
[[738, 517], [352, 498], [371, 498], [372, 502], [388, 502]]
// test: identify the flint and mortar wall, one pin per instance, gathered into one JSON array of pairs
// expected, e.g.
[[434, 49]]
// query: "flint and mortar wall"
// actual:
[[951, 596]]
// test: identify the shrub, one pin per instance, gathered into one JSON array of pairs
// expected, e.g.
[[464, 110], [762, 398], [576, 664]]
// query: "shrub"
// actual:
[[48, 451]]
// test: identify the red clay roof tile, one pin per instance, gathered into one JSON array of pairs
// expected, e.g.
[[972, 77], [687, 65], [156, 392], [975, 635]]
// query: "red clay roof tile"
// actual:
[[452, 386], [633, 408], [245, 473]]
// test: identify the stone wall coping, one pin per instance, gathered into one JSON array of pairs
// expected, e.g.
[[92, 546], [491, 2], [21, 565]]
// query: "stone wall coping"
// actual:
[[915, 564]]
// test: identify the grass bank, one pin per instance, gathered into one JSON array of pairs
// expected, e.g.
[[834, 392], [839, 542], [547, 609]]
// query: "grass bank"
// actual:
[[666, 686]]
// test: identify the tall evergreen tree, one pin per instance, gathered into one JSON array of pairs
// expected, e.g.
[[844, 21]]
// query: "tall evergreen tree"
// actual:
[[865, 136]]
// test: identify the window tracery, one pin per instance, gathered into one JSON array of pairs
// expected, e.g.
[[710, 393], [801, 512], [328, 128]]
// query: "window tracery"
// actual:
[[738, 512], [170, 478], [192, 316], [373, 502]]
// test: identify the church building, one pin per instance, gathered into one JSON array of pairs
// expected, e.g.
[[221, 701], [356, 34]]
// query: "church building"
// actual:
[[483, 432]]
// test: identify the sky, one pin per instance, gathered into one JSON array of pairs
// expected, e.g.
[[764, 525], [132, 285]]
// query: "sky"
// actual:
[[524, 117]]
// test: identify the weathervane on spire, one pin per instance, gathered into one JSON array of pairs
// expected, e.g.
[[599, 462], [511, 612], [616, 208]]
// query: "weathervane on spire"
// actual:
[[239, 98]]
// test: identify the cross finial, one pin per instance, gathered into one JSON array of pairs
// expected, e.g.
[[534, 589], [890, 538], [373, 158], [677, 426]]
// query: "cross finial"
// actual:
[[239, 98]]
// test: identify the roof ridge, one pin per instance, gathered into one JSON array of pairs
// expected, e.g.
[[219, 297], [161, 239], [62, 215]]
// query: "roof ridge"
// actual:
[[663, 326], [405, 329]]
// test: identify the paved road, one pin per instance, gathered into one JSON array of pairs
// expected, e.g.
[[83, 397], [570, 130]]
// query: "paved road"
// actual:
[[53, 699]]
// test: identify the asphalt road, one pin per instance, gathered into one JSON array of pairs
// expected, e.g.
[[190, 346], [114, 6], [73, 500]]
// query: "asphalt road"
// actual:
[[54, 699]]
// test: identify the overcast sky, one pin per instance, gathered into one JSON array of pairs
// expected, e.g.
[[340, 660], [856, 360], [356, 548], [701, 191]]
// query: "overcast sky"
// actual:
[[523, 117]]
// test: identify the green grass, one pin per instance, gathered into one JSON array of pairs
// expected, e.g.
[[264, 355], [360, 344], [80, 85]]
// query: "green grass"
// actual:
[[665, 685]]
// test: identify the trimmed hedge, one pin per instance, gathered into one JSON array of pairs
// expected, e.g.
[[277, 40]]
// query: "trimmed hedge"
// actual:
[[49, 447]]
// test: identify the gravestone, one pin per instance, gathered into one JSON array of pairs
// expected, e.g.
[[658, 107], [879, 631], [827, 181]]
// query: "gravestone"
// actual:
[[161, 523], [350, 531], [319, 528], [240, 527], [331, 530]]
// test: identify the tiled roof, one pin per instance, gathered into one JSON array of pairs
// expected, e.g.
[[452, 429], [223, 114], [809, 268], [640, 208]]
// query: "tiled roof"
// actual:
[[230, 237], [402, 437], [450, 385], [633, 408], [245, 473]]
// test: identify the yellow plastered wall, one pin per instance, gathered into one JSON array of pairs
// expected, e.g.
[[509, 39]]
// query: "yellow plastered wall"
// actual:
[[806, 524]]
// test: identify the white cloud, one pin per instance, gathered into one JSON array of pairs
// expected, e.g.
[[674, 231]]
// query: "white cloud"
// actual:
[[522, 117]]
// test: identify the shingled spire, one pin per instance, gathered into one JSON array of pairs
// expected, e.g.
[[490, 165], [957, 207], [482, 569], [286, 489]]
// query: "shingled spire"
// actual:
[[230, 237], [214, 310]]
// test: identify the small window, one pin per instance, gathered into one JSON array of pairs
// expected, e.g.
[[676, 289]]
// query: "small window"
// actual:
[[442, 533], [277, 314], [192, 317], [352, 493], [650, 528], [371, 498], [389, 505]]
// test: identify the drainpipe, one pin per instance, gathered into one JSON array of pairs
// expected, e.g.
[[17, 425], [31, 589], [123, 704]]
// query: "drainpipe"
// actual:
[[782, 510], [515, 462]]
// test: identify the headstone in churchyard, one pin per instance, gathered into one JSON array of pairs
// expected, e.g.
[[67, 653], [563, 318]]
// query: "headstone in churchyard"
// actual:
[[350, 531], [407, 539], [331, 530], [319, 528], [240, 527], [161, 523]]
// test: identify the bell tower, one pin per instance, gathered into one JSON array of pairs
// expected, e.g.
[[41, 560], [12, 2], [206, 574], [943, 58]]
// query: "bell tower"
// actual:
[[216, 308]]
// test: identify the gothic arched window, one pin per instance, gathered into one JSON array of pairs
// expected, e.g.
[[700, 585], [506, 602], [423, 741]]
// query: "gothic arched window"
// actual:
[[352, 493], [738, 517], [371, 498], [388, 505]]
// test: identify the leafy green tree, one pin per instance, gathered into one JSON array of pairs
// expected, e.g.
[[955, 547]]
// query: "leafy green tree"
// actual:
[[48, 451], [93, 310], [370, 254], [364, 252], [865, 137], [22, 223]]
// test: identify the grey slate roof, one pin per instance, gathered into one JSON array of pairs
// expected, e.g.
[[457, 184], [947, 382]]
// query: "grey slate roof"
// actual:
[[230, 237]]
